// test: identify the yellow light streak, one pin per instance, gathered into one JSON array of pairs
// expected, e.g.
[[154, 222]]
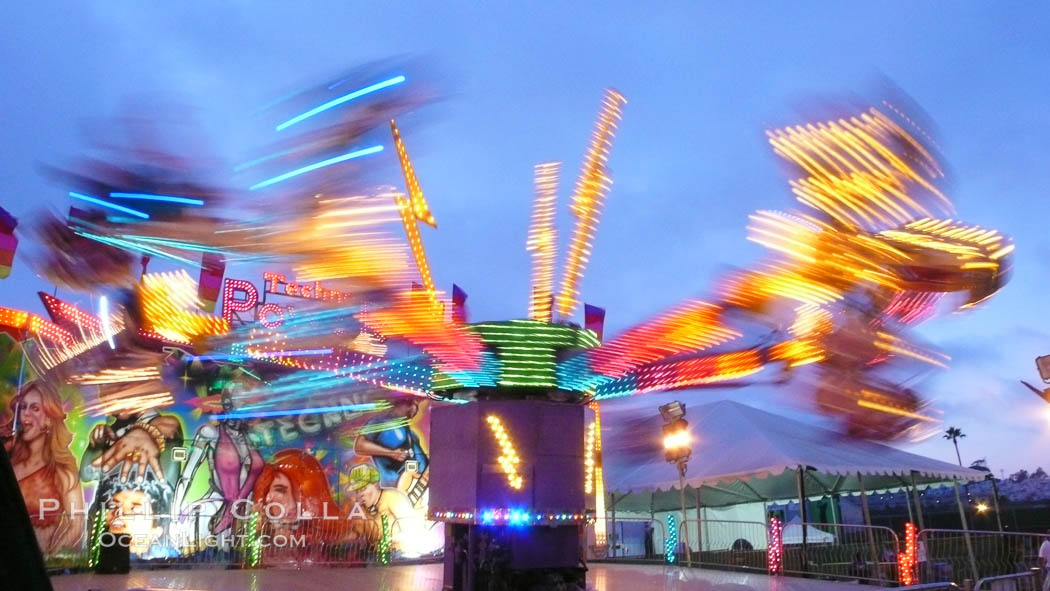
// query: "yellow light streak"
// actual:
[[508, 458], [420, 209], [542, 240], [893, 410], [591, 188]]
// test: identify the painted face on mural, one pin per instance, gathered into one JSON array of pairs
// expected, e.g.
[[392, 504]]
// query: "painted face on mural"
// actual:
[[280, 495], [369, 495], [406, 407], [128, 512], [35, 422]]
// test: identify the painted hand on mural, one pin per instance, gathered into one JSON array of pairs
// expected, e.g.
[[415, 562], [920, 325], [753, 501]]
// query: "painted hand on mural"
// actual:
[[102, 436], [363, 446], [136, 448]]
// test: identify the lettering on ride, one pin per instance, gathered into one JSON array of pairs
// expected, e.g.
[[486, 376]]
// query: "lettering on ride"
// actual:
[[275, 283], [240, 296]]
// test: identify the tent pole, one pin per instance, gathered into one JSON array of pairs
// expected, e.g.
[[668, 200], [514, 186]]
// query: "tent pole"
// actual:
[[907, 503], [685, 524], [995, 499], [867, 524], [918, 503], [652, 520], [699, 528], [802, 515], [966, 531]]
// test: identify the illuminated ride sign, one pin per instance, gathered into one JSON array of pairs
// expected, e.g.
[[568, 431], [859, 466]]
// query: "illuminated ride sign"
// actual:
[[241, 296]]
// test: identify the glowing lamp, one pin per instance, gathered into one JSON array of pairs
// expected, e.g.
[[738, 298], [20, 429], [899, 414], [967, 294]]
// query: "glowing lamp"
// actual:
[[677, 440]]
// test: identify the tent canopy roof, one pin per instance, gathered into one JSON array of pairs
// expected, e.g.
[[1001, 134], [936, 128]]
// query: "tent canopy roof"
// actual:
[[742, 454]]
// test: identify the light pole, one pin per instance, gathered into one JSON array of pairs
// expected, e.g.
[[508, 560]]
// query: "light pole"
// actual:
[[677, 450]]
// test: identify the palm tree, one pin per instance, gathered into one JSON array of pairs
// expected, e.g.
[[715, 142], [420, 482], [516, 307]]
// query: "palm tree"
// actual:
[[955, 433]]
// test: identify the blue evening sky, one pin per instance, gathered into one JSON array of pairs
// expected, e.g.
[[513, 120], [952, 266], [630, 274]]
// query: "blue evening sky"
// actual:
[[523, 82]]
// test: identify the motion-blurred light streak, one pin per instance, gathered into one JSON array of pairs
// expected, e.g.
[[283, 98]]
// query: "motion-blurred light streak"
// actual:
[[316, 165], [343, 99]]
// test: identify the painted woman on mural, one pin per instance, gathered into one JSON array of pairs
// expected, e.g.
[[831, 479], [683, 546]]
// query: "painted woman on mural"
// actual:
[[235, 466], [45, 468], [294, 499]]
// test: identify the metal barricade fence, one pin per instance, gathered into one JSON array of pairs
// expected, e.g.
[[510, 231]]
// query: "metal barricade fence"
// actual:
[[956, 555], [185, 541], [627, 539], [842, 551], [728, 544], [1027, 581]]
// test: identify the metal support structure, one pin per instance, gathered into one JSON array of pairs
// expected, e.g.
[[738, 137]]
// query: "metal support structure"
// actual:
[[867, 524], [966, 531], [907, 503], [918, 502], [685, 524], [995, 502], [803, 517], [699, 528]]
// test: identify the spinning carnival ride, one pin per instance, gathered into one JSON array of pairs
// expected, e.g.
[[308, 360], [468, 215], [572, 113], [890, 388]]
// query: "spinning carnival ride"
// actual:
[[868, 254]]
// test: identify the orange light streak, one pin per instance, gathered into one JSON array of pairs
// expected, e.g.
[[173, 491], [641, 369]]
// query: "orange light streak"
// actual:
[[591, 188]]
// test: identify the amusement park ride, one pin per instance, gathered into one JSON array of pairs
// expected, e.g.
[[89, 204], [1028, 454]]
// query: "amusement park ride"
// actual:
[[516, 435]]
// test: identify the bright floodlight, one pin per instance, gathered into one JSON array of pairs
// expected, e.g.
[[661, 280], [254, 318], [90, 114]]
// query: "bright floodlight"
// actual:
[[677, 440], [1043, 363], [672, 410]]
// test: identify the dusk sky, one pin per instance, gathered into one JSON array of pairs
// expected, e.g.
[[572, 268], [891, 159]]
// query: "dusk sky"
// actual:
[[522, 83]]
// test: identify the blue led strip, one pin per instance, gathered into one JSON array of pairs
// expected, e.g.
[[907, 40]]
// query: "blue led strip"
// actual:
[[162, 198], [316, 165], [671, 544], [107, 204], [298, 411], [345, 98], [624, 386]]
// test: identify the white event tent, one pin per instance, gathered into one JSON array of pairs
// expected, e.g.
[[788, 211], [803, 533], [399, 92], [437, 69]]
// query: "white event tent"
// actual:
[[746, 457]]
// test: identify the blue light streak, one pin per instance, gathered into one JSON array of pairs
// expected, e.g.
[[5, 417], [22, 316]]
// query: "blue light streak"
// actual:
[[345, 98], [173, 243], [151, 197], [298, 353], [279, 354], [267, 158], [103, 314], [114, 206], [135, 247], [316, 165], [297, 411]]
